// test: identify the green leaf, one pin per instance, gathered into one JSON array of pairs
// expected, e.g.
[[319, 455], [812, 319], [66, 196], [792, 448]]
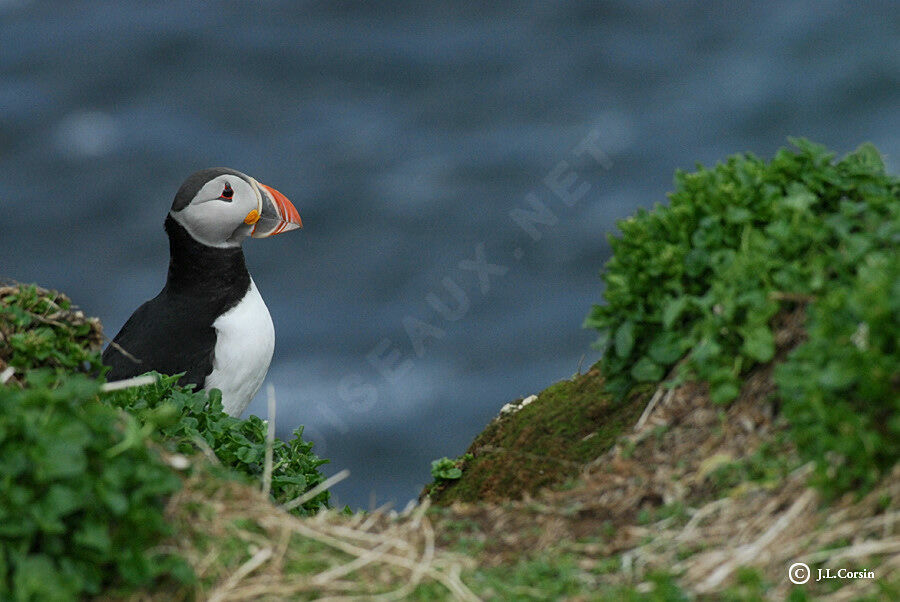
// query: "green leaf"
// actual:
[[451, 473], [759, 344], [867, 158], [35, 577], [299, 479], [666, 348], [94, 535], [61, 500], [798, 198], [673, 310], [696, 261], [445, 469], [706, 351], [724, 392], [58, 458], [602, 341], [738, 215], [646, 370], [624, 340], [115, 500], [838, 375]]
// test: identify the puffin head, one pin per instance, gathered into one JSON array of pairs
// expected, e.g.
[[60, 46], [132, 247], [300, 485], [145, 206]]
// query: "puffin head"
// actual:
[[220, 207]]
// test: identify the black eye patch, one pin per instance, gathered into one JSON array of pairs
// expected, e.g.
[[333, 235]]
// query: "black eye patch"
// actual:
[[227, 193]]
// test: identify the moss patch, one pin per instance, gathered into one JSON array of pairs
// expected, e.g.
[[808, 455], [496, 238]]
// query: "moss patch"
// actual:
[[545, 443]]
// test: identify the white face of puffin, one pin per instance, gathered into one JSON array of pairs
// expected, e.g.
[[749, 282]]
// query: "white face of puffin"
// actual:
[[231, 206]]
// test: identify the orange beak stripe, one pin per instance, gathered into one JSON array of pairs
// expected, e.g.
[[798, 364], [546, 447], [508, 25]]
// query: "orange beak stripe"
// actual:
[[286, 210]]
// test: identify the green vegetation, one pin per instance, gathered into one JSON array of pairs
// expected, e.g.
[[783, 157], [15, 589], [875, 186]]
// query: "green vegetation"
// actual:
[[717, 284], [555, 576], [184, 416], [84, 482], [445, 469], [81, 493], [39, 328], [704, 277], [542, 444], [775, 282], [737, 243], [767, 466], [841, 389]]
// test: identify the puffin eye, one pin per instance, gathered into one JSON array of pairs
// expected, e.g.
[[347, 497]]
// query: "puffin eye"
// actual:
[[228, 192]]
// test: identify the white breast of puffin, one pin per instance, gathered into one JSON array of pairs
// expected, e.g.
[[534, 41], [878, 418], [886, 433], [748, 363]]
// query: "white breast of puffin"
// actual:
[[245, 341]]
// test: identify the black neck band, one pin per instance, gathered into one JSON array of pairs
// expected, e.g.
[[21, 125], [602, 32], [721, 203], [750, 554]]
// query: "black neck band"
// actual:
[[217, 275]]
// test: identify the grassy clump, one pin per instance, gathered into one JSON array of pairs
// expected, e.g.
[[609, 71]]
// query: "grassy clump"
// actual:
[[81, 493], [741, 242], [39, 328]]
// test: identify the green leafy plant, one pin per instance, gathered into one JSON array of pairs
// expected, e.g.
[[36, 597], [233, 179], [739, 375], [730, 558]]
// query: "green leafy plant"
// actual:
[[841, 388], [82, 494], [736, 243], [446, 470], [192, 416], [699, 281]]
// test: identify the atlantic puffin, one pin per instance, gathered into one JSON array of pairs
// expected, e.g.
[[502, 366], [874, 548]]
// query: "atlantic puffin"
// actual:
[[209, 321]]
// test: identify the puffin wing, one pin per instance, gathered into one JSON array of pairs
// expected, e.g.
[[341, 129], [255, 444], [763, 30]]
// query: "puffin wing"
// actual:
[[164, 335]]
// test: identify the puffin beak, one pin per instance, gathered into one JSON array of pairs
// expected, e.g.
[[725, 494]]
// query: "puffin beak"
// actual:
[[277, 213]]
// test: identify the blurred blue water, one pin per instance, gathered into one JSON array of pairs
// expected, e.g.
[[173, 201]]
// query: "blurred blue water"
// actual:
[[405, 135]]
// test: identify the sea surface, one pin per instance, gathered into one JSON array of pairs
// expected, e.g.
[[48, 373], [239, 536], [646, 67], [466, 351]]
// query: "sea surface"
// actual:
[[457, 168]]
